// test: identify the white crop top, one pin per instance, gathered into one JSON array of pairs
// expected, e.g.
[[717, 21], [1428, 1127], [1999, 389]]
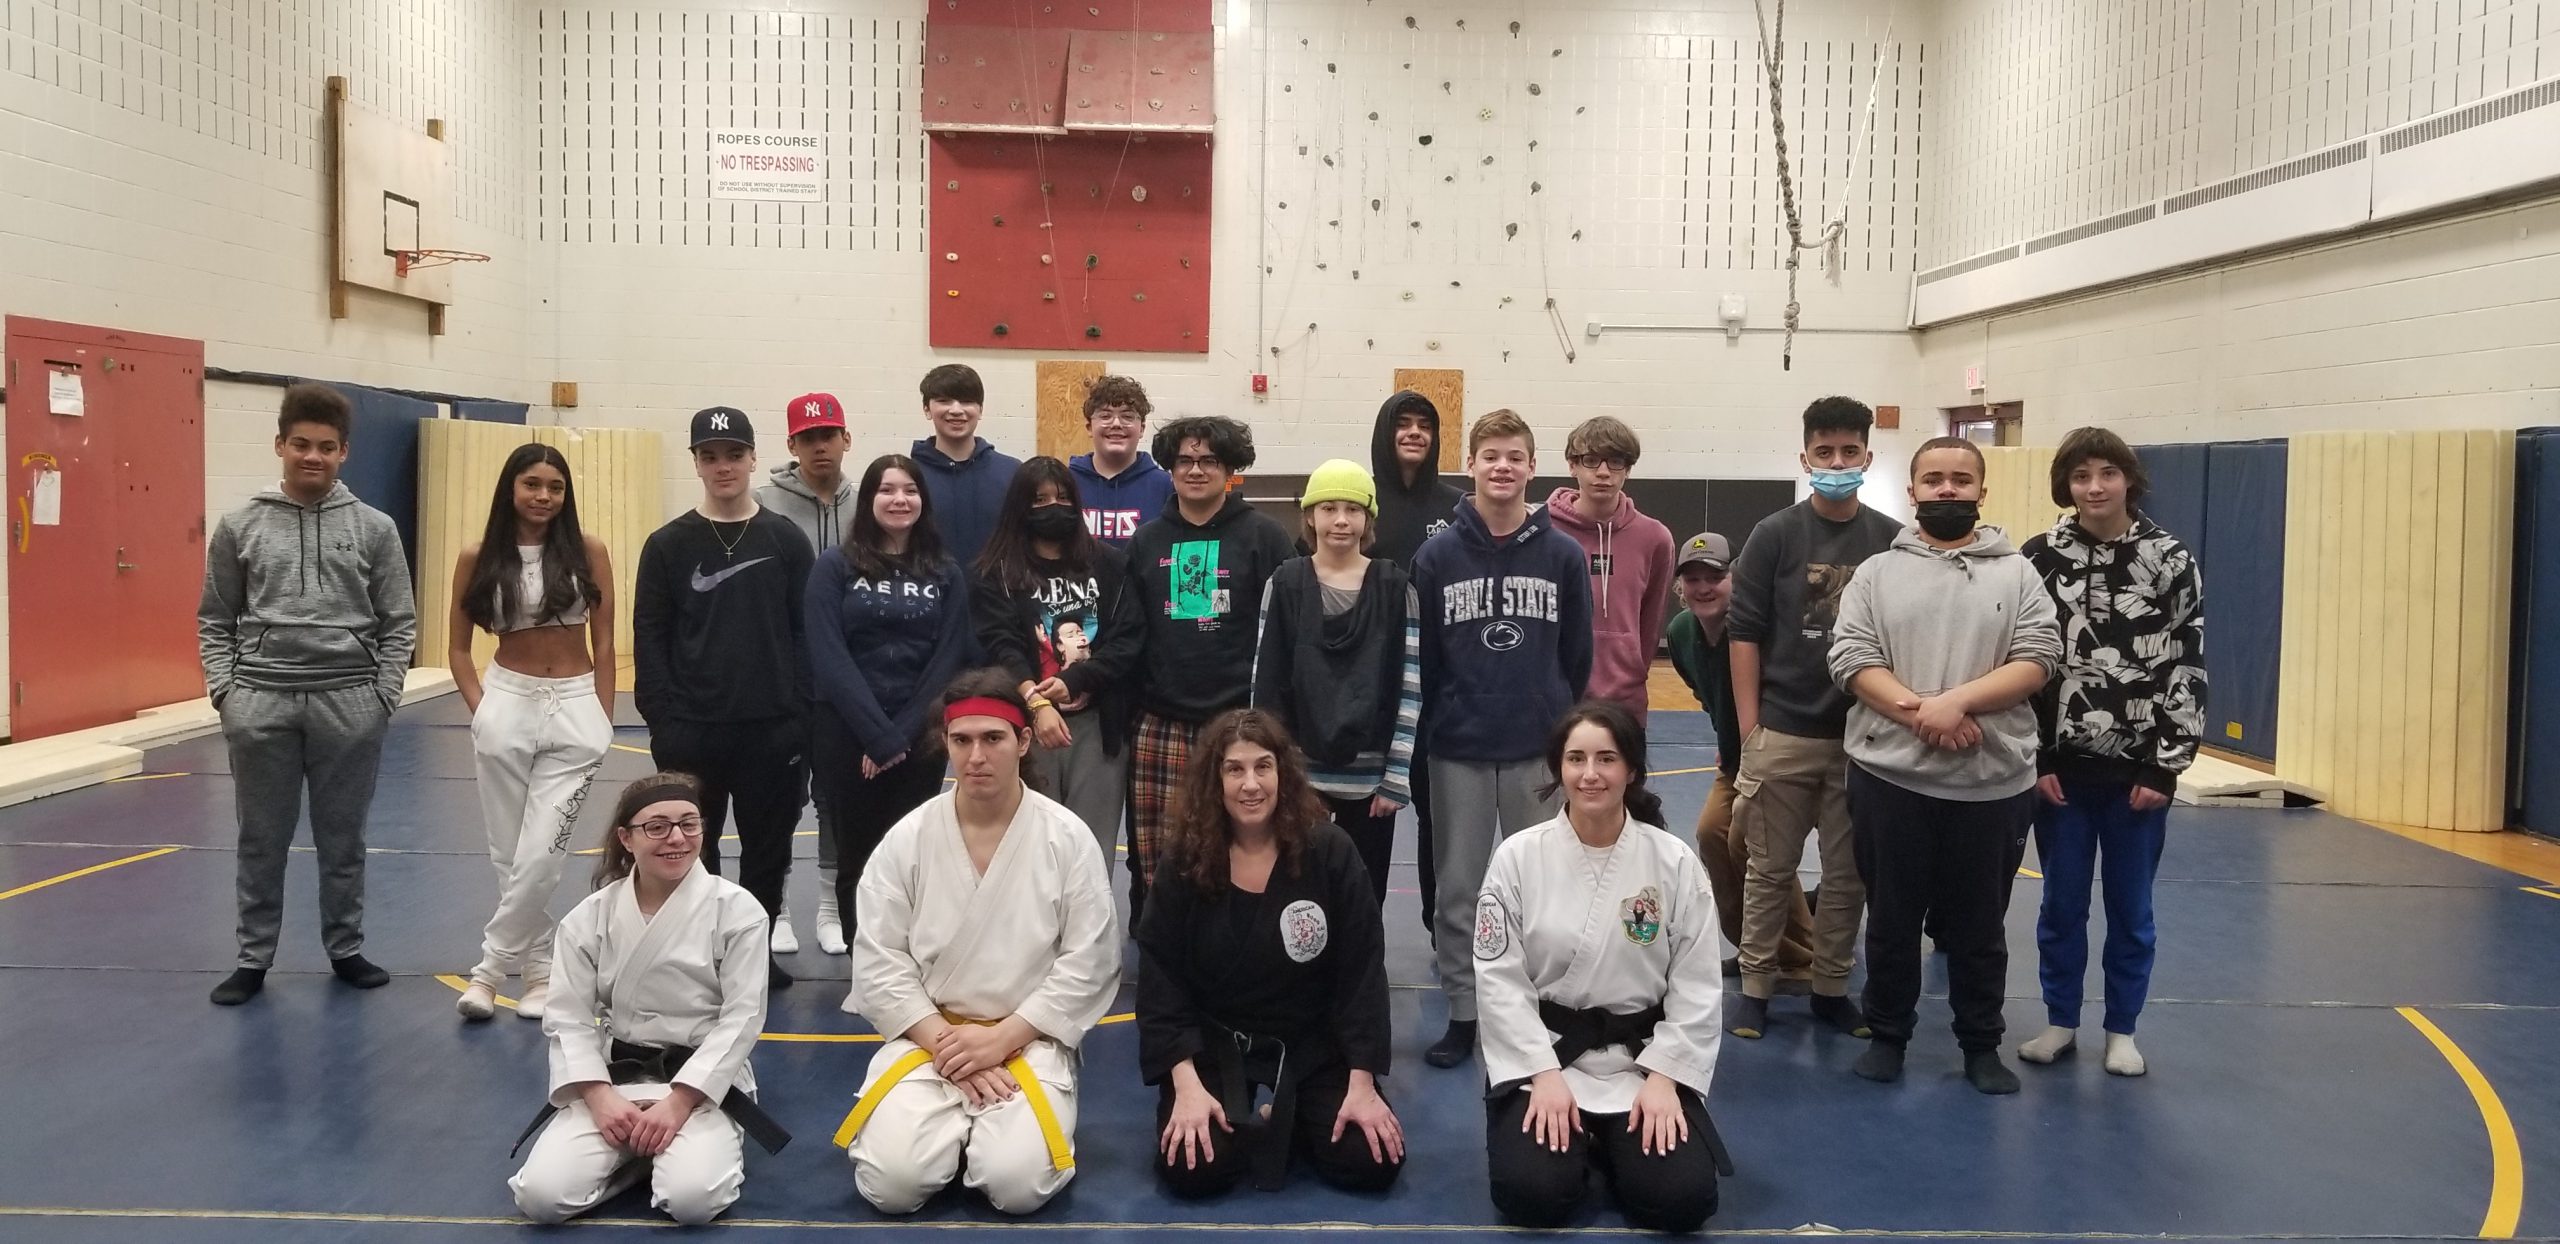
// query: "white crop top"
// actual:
[[529, 597]]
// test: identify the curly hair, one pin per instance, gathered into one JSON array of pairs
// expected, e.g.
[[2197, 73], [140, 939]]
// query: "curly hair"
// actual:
[[1197, 834], [1229, 439], [313, 402], [1117, 391]]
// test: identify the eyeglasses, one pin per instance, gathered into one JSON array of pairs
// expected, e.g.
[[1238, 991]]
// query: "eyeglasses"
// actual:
[[1110, 415], [1594, 462], [657, 830], [1189, 463]]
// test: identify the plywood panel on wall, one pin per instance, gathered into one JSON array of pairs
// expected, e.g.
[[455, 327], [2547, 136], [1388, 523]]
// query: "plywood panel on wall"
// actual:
[[1058, 388], [615, 472], [2017, 492], [1447, 389], [2398, 575]]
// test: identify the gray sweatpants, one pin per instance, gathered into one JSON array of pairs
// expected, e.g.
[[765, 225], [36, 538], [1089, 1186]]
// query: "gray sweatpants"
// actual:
[[280, 740], [1473, 807], [1091, 783]]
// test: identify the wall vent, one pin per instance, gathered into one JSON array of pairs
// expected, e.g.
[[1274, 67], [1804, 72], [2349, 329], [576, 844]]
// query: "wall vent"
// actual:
[[2107, 224], [2318, 162], [1975, 264], [2477, 114]]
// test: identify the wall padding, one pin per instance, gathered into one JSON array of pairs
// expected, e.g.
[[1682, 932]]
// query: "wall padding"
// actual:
[[2399, 551], [615, 472]]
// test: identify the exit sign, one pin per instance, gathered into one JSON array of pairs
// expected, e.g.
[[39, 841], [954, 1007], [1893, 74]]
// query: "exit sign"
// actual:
[[1973, 378]]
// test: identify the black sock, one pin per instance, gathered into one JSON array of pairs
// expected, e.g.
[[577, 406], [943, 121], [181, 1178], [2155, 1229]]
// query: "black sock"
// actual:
[[1748, 1017], [360, 972], [1840, 1013], [1984, 1070], [1454, 1046], [1881, 1063], [775, 976], [242, 985]]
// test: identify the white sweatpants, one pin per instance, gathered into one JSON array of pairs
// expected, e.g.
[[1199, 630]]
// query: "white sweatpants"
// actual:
[[925, 1132], [572, 1168], [536, 744]]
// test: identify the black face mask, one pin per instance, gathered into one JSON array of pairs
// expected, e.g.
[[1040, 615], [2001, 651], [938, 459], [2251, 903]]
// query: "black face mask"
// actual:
[[1057, 523], [1948, 520]]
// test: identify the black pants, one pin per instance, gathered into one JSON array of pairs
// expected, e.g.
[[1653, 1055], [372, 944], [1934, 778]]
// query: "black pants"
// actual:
[[1344, 1163], [1373, 836], [1945, 865], [1421, 781], [759, 766], [1535, 1186], [864, 808]]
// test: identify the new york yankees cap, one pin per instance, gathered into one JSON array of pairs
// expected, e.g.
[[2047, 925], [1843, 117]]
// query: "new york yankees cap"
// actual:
[[812, 410], [722, 423]]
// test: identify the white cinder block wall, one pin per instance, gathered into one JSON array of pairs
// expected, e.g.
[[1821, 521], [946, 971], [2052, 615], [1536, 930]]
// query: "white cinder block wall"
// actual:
[[1645, 138], [161, 171], [2449, 324]]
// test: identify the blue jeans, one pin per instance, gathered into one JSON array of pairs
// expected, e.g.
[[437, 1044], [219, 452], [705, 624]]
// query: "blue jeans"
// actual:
[[2098, 820]]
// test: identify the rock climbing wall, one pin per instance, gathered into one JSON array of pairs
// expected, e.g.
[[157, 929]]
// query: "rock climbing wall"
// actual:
[[1069, 184]]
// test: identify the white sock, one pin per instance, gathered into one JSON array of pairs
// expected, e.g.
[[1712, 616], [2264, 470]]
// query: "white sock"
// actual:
[[2046, 1046], [2122, 1058], [537, 994], [784, 940], [830, 920], [477, 1002]]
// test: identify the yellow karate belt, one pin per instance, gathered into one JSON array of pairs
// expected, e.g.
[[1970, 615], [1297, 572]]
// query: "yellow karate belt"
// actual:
[[1062, 1154]]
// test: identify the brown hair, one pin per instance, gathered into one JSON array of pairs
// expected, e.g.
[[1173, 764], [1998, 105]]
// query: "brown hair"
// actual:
[[1603, 436], [1116, 391], [1504, 422], [312, 402], [616, 863], [2084, 444], [1197, 834], [1935, 443]]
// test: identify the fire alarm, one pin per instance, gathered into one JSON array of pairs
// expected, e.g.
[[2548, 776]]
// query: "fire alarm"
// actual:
[[1261, 383]]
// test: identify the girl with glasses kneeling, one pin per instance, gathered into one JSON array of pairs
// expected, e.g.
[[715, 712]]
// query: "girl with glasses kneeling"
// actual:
[[657, 995]]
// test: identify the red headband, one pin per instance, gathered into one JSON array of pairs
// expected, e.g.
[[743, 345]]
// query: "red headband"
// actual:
[[984, 706]]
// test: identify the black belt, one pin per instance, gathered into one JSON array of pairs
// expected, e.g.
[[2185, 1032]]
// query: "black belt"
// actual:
[[658, 1064], [1578, 1032], [1242, 1060]]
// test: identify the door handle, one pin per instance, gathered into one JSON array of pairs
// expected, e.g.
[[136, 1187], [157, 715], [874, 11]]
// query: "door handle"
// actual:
[[121, 564]]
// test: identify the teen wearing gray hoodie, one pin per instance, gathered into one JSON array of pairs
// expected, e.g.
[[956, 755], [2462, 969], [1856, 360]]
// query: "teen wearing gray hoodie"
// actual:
[[305, 627], [1943, 638], [811, 490]]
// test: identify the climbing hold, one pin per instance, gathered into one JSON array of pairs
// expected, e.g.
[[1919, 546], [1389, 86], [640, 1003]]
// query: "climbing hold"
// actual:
[[1515, 30], [999, 222], [1533, 144], [1536, 89], [1453, 285], [1425, 140], [1462, 23], [1413, 224], [951, 293], [1044, 261], [1328, 161], [1535, 187], [1001, 330], [1049, 295], [1139, 297], [1407, 295], [1375, 204], [1335, 222], [1431, 345], [1302, 149], [1355, 274], [951, 185], [1484, 114], [1373, 343], [1506, 300], [1408, 23], [1577, 235], [951, 257], [1137, 194], [1319, 265], [1186, 261], [1330, 67], [1579, 111], [1488, 160], [1284, 206], [1511, 231], [1092, 262], [1450, 177], [1373, 116], [1558, 52], [1093, 330]]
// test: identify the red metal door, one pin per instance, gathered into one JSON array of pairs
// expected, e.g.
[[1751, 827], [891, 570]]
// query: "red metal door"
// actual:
[[102, 604]]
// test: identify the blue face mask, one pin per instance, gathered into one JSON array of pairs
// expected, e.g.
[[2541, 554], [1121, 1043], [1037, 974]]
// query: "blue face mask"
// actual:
[[1838, 485]]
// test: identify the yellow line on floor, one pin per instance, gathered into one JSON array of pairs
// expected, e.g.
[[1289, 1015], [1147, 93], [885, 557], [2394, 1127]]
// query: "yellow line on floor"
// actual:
[[77, 873], [2030, 873], [636, 751], [1679, 772], [458, 984], [2506, 1157], [144, 777], [2535, 889]]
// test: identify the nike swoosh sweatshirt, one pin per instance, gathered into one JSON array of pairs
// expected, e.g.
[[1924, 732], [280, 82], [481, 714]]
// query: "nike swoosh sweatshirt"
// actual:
[[716, 621]]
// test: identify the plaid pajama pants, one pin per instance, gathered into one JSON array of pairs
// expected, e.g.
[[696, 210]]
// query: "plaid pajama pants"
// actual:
[[1162, 748]]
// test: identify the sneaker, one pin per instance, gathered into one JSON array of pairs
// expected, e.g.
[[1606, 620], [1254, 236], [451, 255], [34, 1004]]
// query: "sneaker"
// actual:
[[785, 942], [1747, 1017], [1881, 1063], [360, 972], [1842, 1014], [1984, 1070], [537, 995], [242, 985], [477, 1003], [1454, 1046]]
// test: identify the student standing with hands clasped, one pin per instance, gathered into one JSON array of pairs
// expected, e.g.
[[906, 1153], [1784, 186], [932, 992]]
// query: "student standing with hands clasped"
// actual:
[[543, 717], [2119, 724]]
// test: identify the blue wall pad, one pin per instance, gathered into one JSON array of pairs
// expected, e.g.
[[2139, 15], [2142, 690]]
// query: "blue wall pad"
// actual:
[[2243, 558], [491, 412], [2534, 714], [2179, 480], [382, 457]]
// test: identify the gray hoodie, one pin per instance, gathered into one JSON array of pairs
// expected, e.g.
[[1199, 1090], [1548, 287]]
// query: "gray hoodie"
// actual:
[[821, 519], [306, 599], [1940, 618]]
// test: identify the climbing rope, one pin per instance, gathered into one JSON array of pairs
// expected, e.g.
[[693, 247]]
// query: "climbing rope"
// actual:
[[1834, 228]]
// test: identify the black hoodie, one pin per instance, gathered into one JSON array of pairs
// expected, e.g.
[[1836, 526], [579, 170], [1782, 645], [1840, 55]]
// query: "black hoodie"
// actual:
[[1408, 514], [1202, 589]]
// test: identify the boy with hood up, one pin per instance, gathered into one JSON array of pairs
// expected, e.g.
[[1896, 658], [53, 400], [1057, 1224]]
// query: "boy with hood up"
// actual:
[[1943, 638], [1414, 504], [1506, 650], [811, 490], [1122, 485], [964, 473], [1629, 555], [305, 627]]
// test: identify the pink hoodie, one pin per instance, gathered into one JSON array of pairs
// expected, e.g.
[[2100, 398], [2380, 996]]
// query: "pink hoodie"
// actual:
[[1631, 578]]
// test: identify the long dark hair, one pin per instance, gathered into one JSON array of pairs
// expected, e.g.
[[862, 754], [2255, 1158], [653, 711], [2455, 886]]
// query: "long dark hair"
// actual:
[[866, 546], [616, 863], [1006, 561], [496, 577], [1628, 733], [1197, 835]]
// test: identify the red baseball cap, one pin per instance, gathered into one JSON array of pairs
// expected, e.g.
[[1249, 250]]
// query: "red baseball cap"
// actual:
[[812, 410]]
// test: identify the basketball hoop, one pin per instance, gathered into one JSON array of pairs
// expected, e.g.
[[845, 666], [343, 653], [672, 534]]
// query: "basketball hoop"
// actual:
[[403, 260]]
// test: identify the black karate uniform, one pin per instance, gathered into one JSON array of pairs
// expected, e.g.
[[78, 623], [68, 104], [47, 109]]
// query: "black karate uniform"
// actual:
[[1285, 989]]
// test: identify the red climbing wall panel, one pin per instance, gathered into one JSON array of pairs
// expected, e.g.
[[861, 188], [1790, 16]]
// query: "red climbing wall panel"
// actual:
[[1097, 239], [1135, 269]]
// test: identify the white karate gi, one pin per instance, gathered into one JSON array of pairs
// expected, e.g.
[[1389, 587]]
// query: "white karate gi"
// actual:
[[1036, 936], [693, 975], [1619, 929]]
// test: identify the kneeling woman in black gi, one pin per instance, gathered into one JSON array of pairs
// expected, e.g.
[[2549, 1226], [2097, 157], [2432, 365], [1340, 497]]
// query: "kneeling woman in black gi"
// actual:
[[1263, 967]]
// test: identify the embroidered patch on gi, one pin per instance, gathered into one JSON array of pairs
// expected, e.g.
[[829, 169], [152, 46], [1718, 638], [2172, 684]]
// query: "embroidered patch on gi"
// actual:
[[1493, 928], [1303, 932], [1642, 915]]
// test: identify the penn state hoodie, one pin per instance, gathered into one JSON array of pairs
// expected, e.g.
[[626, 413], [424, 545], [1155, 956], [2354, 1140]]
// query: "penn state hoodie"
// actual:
[[1506, 636]]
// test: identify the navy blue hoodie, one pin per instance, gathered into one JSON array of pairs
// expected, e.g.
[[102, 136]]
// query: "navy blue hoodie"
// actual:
[[1115, 508], [965, 495], [1506, 636]]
